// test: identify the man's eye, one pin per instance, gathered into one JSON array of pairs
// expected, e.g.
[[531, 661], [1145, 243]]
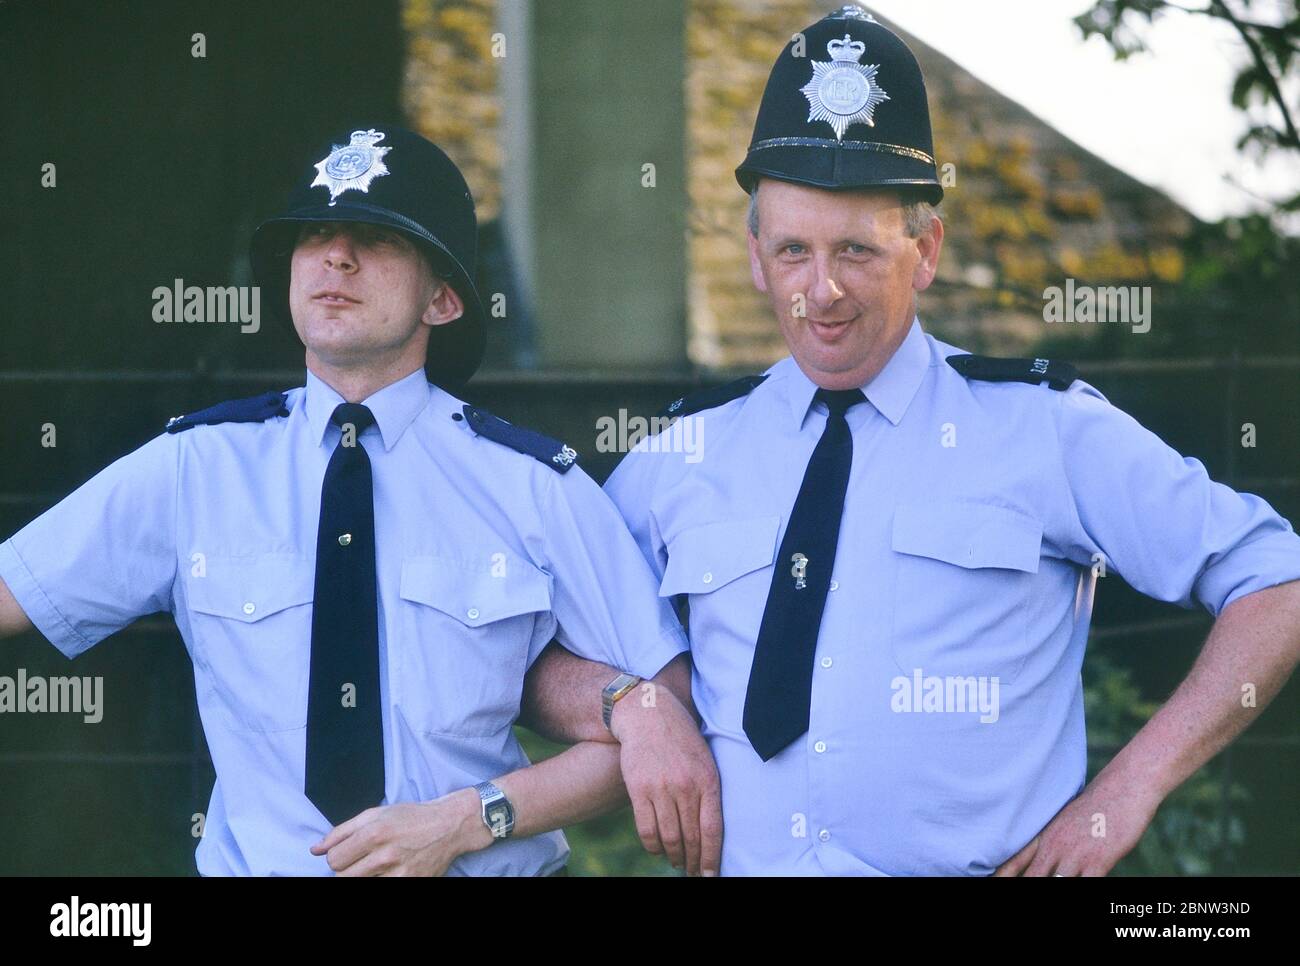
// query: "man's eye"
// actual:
[[856, 249], [793, 249]]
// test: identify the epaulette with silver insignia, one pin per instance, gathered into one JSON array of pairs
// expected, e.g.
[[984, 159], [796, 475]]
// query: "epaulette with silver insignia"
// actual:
[[545, 449], [1058, 375], [254, 409], [709, 398]]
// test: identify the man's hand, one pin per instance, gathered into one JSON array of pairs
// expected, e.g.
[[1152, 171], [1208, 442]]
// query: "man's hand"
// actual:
[[671, 779], [1089, 835], [409, 838], [1254, 644]]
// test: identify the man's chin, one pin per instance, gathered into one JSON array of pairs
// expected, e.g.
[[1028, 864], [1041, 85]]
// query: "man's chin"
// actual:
[[839, 371], [341, 355], [824, 361]]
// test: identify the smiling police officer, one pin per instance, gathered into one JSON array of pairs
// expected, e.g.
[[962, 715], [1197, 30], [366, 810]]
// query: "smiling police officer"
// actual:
[[884, 525], [364, 568]]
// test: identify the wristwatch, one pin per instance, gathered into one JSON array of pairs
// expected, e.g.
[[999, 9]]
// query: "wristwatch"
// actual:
[[498, 813], [616, 689]]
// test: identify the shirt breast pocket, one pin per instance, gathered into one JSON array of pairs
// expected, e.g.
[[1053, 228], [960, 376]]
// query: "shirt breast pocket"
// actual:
[[466, 630], [251, 619], [723, 565], [964, 590]]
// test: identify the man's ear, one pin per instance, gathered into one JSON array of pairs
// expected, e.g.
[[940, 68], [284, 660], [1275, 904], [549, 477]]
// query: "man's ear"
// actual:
[[928, 245], [444, 306], [755, 266]]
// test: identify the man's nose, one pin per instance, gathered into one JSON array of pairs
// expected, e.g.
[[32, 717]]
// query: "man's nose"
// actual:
[[341, 254], [825, 290]]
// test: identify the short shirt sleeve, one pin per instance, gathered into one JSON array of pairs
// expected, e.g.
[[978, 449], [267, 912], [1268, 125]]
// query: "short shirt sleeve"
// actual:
[[1159, 520], [631, 487], [606, 600], [104, 555]]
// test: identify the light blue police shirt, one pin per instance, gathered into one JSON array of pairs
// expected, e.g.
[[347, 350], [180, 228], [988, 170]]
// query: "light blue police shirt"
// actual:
[[966, 554], [483, 556]]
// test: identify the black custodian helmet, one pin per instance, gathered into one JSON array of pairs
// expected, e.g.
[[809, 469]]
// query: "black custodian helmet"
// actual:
[[400, 180], [844, 107]]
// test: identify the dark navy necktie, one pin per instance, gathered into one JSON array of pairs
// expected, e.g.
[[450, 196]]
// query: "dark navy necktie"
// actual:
[[345, 741], [779, 697]]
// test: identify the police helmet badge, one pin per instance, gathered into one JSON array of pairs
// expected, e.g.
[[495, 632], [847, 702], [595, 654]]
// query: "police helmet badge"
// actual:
[[843, 91], [352, 165]]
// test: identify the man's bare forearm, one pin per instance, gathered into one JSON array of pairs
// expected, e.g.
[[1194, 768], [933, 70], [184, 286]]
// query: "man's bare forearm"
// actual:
[[1247, 658], [13, 619], [580, 783], [561, 698], [669, 773]]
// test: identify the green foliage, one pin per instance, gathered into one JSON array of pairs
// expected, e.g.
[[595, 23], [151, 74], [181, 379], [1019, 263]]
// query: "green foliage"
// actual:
[[604, 846], [1110, 19], [1237, 295], [1272, 47], [1188, 831]]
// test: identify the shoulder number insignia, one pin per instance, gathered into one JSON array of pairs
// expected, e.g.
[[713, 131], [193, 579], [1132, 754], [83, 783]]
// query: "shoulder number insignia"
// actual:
[[545, 449], [1058, 375]]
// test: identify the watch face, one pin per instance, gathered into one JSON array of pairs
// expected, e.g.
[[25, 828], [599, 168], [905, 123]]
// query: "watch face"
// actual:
[[620, 683], [498, 817]]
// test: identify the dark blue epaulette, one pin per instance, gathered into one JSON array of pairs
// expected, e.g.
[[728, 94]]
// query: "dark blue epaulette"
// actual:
[[1058, 375], [254, 409], [539, 446], [709, 398]]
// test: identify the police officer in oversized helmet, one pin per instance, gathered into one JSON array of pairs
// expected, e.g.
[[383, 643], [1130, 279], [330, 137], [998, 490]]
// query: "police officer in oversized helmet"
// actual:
[[398, 184], [888, 555], [366, 570]]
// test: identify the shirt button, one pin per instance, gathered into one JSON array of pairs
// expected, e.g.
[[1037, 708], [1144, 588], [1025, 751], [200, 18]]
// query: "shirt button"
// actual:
[[249, 607], [835, 585], [345, 539], [708, 578], [820, 747], [472, 613], [827, 662], [824, 835]]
